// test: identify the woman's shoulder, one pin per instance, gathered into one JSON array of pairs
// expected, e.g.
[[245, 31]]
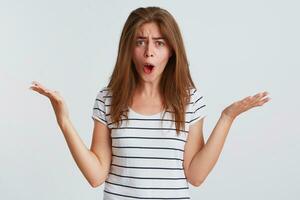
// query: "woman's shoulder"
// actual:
[[194, 92], [196, 95], [104, 91], [104, 95]]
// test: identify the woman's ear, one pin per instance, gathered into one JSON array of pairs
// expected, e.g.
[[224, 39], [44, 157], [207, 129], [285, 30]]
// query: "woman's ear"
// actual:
[[171, 53]]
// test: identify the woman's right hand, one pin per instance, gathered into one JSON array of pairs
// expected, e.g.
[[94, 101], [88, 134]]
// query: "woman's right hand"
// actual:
[[58, 104]]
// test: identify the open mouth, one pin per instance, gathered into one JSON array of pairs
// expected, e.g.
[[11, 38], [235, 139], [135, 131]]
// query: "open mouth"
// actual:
[[148, 68]]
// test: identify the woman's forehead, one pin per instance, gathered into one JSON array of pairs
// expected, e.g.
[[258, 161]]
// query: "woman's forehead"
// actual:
[[149, 29]]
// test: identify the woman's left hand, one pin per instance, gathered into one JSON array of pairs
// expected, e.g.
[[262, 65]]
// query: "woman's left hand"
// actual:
[[245, 104]]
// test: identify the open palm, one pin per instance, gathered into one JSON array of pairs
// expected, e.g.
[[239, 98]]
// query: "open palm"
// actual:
[[57, 101], [245, 104]]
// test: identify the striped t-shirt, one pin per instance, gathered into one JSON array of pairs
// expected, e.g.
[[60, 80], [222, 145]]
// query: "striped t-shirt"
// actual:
[[147, 155]]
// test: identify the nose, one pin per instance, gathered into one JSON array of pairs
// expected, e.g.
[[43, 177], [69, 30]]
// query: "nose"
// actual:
[[149, 50], [149, 55]]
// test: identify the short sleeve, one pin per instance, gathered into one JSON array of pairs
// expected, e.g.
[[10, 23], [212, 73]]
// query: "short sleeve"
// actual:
[[198, 109], [99, 110]]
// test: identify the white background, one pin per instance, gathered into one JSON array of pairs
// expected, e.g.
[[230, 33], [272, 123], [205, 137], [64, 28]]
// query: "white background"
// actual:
[[235, 49]]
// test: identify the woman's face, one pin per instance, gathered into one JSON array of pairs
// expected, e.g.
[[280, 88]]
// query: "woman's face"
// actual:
[[150, 53]]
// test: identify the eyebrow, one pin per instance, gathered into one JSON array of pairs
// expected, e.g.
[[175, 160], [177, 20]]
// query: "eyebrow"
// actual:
[[154, 38]]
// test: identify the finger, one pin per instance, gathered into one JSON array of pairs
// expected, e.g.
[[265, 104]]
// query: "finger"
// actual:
[[256, 98], [37, 89], [31, 88], [257, 95], [263, 101], [35, 86], [260, 95], [36, 83], [39, 85], [41, 90]]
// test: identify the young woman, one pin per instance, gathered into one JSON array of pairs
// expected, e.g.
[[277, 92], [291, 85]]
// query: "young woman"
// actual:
[[147, 140]]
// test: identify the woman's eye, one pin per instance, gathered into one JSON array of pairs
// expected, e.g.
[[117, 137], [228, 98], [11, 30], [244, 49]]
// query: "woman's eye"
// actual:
[[139, 42], [160, 43]]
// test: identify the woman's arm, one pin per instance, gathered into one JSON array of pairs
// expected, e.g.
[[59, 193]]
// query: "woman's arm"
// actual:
[[94, 163], [204, 160]]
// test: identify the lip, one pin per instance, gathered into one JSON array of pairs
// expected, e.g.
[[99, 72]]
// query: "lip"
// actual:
[[148, 63]]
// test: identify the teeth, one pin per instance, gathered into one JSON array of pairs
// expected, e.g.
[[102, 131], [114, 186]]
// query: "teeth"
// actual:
[[147, 64]]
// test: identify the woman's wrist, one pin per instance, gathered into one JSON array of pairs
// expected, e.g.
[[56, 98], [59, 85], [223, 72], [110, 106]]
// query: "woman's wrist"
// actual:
[[63, 121], [227, 117]]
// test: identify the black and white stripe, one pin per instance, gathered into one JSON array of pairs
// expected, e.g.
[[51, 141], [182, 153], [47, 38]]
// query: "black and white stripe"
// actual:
[[147, 154]]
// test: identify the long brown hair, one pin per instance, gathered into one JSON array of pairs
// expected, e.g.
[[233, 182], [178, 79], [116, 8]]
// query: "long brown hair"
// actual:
[[176, 80]]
